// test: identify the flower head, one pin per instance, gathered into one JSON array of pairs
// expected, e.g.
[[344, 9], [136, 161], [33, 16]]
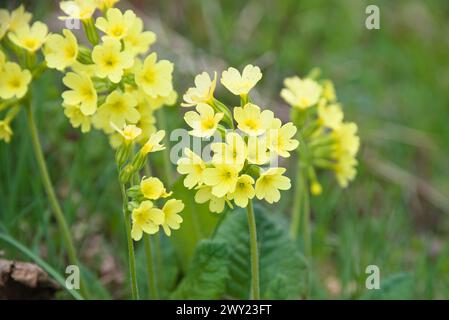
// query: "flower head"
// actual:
[[82, 92], [222, 178], [257, 150], [155, 78], [204, 194], [281, 140], [241, 84], [13, 81], [105, 4], [346, 138], [30, 38], [203, 92], [152, 188], [270, 182], [77, 9], [232, 152], [193, 167], [345, 169], [330, 116], [110, 60], [136, 40], [204, 122], [301, 93], [251, 120], [119, 108], [77, 118], [172, 220], [244, 191], [146, 218], [116, 24], [61, 51], [154, 142], [17, 19], [129, 132]]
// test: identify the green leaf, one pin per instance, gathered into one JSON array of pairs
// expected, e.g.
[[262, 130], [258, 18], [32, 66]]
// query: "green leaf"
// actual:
[[282, 266], [396, 286], [198, 223], [207, 274]]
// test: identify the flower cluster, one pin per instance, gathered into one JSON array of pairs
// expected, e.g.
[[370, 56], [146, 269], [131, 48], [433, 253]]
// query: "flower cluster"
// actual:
[[238, 169], [114, 82], [146, 216], [20, 42], [329, 142]]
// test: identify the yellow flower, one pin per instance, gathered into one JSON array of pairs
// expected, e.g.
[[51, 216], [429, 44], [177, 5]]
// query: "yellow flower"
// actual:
[[4, 22], [146, 218], [329, 91], [137, 41], [301, 93], [222, 178], [251, 120], [82, 92], [116, 24], [61, 51], [244, 191], [172, 220], [5, 131], [79, 68], [77, 9], [77, 118], [154, 142], [193, 166], [152, 188], [30, 38], [330, 116], [346, 138], [232, 152], [13, 81], [110, 60], [241, 84], [345, 169], [204, 122], [18, 18], [270, 182], [257, 150], [315, 188], [119, 108], [203, 92], [155, 78], [281, 140], [105, 4], [204, 194], [129, 133]]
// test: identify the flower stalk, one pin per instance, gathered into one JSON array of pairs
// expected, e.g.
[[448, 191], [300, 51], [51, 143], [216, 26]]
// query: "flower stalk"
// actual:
[[151, 274], [255, 288]]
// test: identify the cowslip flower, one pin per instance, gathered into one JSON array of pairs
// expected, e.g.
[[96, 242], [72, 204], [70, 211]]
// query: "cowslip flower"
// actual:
[[203, 92], [17, 19], [154, 143], [129, 132], [330, 116], [204, 122], [77, 9], [257, 150], [301, 93], [155, 77], [61, 51], [77, 118], [244, 191], [241, 84], [204, 194], [116, 24], [345, 169], [136, 40], [146, 218], [329, 91], [82, 92], [13, 81], [251, 120], [281, 140], [4, 22], [270, 182], [110, 60], [172, 220], [233, 151], [30, 38], [152, 188], [222, 178], [346, 138], [105, 4], [193, 167], [119, 108]]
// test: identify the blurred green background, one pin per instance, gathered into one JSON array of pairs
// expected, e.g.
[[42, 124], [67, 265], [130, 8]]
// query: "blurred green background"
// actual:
[[393, 82]]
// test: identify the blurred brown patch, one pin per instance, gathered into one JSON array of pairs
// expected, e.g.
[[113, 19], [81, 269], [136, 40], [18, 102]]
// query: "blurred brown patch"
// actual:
[[23, 280]]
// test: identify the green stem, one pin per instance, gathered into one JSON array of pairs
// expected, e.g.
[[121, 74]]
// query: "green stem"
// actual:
[[296, 208], [150, 268], [50, 191], [254, 253], [306, 216], [131, 257]]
